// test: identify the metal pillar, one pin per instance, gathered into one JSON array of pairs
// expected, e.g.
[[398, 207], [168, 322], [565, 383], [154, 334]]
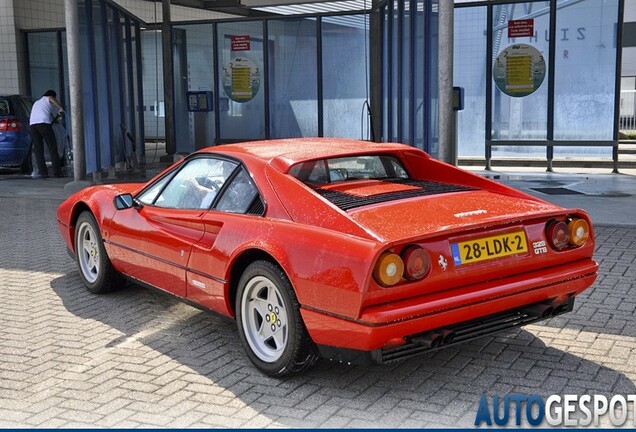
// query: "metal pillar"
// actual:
[[75, 89], [447, 147], [168, 78], [375, 60]]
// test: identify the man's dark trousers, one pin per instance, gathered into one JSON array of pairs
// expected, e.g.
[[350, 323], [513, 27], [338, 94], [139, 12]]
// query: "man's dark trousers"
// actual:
[[44, 131]]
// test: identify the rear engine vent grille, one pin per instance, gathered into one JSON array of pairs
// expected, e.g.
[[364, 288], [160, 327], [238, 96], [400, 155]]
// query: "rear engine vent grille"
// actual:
[[257, 207], [347, 202]]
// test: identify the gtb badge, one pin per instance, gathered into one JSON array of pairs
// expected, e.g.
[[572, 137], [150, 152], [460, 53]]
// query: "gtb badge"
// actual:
[[539, 247], [442, 262]]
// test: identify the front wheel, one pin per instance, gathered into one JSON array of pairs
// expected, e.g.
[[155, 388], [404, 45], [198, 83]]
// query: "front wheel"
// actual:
[[95, 267], [269, 322]]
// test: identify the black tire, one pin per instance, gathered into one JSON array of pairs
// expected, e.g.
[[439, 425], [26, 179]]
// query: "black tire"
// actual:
[[95, 269], [264, 285]]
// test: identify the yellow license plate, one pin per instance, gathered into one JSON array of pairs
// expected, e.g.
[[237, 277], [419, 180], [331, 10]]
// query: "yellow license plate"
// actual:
[[488, 248]]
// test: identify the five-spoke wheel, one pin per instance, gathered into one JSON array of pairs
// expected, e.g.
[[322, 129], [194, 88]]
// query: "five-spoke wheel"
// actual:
[[88, 252], [269, 321], [264, 318], [95, 267]]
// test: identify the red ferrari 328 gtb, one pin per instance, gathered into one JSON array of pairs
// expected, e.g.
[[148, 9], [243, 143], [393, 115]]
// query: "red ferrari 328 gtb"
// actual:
[[350, 250]]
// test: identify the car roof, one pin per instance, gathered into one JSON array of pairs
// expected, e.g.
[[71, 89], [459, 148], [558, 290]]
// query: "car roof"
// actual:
[[284, 153]]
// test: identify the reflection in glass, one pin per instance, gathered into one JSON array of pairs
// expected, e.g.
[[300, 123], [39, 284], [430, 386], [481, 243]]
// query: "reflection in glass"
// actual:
[[240, 87], [344, 70], [293, 78], [520, 118], [585, 77], [470, 73]]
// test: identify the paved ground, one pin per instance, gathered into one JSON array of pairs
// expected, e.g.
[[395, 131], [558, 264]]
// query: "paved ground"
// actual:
[[136, 358]]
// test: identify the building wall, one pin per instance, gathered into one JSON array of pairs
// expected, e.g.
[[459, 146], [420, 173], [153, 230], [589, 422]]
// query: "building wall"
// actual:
[[17, 16], [629, 52], [146, 11], [9, 75], [39, 14]]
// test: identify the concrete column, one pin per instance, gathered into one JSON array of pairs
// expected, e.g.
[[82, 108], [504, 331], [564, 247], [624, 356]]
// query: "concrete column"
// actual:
[[447, 146], [375, 60], [75, 88], [168, 77]]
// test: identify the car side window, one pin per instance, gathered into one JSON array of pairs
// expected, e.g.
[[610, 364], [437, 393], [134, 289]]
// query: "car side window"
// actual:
[[239, 194], [196, 184], [149, 195]]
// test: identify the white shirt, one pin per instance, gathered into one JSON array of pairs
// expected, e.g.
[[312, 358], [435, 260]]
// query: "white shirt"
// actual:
[[43, 111]]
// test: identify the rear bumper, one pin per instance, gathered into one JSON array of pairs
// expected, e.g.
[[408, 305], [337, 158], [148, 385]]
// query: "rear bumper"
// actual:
[[385, 327], [457, 333]]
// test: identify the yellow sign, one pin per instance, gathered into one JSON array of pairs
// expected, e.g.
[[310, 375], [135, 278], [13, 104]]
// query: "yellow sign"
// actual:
[[519, 70], [519, 74], [241, 84], [241, 79]]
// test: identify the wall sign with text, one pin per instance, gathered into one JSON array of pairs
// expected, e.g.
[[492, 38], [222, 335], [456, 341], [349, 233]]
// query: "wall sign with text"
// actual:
[[519, 70], [241, 79]]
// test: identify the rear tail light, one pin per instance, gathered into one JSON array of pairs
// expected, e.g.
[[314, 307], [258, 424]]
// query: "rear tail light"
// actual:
[[417, 262], [388, 269], [10, 125], [571, 233], [558, 235], [579, 231]]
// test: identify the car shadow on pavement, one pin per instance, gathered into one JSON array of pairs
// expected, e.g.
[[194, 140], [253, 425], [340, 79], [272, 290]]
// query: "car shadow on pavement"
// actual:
[[167, 356]]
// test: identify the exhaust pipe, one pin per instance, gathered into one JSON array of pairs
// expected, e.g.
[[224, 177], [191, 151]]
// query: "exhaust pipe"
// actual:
[[430, 339], [560, 308], [448, 336], [542, 310]]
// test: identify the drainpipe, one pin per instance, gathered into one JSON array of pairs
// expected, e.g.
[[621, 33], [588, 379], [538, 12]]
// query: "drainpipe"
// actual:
[[75, 88], [446, 144], [375, 60], [168, 77]]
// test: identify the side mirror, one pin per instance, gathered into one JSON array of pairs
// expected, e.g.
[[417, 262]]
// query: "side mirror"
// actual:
[[124, 201]]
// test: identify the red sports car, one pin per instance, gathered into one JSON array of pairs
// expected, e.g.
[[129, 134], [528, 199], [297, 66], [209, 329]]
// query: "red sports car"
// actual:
[[350, 250]]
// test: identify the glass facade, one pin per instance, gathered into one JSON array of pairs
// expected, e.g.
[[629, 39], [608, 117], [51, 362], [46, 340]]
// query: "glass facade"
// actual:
[[194, 72], [515, 117], [569, 103], [44, 63], [152, 77], [410, 73], [242, 80], [584, 87], [293, 78], [469, 72], [307, 80], [345, 76], [111, 92], [47, 67], [296, 76]]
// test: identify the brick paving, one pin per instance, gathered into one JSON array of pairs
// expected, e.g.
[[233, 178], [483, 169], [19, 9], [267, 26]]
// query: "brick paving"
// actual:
[[137, 358]]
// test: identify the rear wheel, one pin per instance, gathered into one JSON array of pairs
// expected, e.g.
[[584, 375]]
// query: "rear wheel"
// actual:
[[269, 322], [95, 268]]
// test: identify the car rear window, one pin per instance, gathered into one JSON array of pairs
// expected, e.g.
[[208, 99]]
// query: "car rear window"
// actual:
[[323, 171], [4, 107]]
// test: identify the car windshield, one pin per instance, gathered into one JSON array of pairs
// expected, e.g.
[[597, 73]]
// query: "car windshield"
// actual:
[[4, 107], [376, 167]]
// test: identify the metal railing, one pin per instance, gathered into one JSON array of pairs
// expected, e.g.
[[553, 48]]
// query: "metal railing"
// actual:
[[549, 145]]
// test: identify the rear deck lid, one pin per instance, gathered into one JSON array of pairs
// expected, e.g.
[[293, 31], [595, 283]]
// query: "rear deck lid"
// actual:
[[409, 209]]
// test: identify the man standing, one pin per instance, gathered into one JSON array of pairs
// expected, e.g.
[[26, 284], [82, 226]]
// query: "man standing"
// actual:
[[42, 115]]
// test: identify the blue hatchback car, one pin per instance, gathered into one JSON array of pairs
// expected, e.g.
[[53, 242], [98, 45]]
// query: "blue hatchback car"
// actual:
[[15, 139]]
